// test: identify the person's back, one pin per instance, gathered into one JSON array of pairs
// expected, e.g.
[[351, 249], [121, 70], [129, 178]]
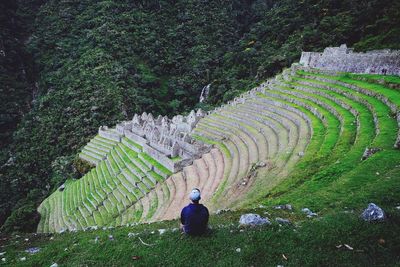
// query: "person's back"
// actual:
[[194, 217]]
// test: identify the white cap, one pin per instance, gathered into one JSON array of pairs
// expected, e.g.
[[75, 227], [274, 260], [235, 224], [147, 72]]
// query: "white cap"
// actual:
[[195, 195]]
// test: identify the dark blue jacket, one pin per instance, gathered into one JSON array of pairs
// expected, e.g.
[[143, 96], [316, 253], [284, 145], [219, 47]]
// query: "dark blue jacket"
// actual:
[[194, 218]]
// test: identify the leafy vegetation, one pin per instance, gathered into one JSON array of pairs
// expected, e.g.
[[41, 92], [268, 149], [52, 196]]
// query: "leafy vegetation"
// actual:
[[71, 66], [309, 242]]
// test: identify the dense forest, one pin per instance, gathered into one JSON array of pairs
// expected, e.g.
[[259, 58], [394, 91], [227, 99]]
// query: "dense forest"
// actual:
[[69, 66]]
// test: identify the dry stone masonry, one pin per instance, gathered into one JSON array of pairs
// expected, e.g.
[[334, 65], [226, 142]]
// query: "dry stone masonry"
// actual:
[[145, 167], [166, 140], [343, 59]]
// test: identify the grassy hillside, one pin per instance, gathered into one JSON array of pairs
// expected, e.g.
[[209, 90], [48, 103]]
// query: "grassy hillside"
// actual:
[[310, 130], [309, 242], [96, 63]]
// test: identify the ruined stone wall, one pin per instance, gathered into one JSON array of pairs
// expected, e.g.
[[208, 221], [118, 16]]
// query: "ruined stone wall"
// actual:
[[162, 138], [345, 60]]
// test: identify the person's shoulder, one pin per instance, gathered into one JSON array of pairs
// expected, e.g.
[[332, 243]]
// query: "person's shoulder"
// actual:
[[186, 207], [204, 207]]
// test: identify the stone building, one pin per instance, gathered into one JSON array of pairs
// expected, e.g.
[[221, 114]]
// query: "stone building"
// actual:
[[344, 59], [166, 140]]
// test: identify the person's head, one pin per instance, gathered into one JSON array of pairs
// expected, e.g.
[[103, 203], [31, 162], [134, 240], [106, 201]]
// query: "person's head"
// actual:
[[194, 196]]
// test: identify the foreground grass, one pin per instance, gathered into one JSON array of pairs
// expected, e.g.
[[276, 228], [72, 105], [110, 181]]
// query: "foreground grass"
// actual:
[[309, 242]]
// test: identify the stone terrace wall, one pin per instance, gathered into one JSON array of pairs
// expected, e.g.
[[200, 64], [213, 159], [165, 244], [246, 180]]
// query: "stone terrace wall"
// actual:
[[345, 60], [162, 138]]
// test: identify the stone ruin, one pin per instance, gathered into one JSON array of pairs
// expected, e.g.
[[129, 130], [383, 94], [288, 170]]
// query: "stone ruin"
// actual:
[[343, 59], [166, 140]]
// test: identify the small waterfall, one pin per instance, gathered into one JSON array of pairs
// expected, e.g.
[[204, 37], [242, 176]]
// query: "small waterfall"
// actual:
[[204, 93]]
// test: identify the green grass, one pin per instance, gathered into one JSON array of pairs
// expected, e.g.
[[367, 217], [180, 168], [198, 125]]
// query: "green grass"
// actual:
[[390, 94], [388, 79], [344, 182], [175, 159], [349, 129], [133, 143], [386, 123], [153, 206], [93, 194], [156, 164], [311, 242], [329, 179], [332, 123]]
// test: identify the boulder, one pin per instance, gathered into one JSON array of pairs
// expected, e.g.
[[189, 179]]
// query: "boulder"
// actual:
[[309, 213], [251, 219], [284, 207], [282, 221], [373, 213]]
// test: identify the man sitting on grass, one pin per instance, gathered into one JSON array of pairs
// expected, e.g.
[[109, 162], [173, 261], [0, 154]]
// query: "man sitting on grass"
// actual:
[[194, 217]]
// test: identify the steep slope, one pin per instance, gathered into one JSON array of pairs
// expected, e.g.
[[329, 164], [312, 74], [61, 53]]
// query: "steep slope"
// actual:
[[98, 62], [303, 132]]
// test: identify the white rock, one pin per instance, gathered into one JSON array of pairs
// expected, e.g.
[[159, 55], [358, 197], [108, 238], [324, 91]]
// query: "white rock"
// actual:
[[309, 212], [373, 213], [253, 220], [161, 231], [238, 250], [54, 265], [22, 259], [2, 253], [3, 259]]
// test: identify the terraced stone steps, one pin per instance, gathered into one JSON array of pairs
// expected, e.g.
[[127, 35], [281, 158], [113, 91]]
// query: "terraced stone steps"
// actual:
[[301, 126], [96, 150], [117, 185], [167, 199]]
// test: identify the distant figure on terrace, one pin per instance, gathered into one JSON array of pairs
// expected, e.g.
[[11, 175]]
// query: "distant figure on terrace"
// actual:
[[194, 217]]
